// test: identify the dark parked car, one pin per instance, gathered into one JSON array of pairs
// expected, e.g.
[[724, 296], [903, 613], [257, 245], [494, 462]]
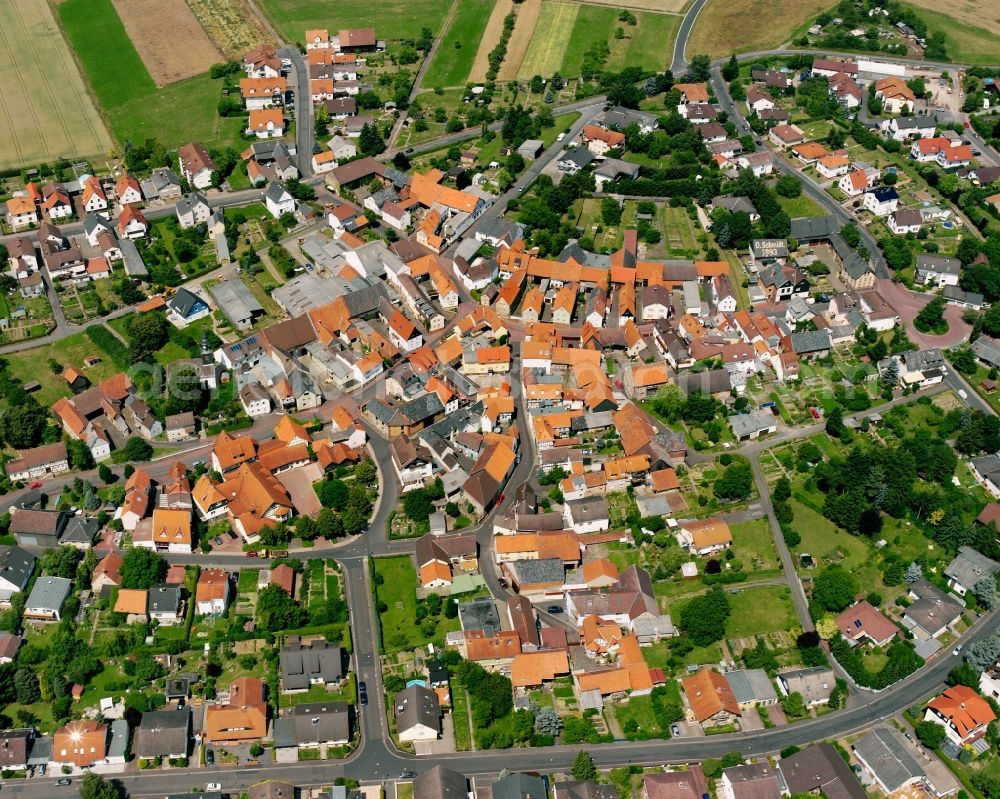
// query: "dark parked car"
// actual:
[[64, 781], [363, 692], [210, 757], [554, 609]]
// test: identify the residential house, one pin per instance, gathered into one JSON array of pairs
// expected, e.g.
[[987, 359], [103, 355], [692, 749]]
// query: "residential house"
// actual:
[[938, 270], [196, 165], [164, 734], [80, 744], [931, 611], [213, 592], [241, 720], [968, 567], [16, 567], [305, 665], [813, 683], [862, 621], [888, 760], [38, 462], [962, 712], [192, 210], [710, 699], [882, 201], [278, 200], [690, 784], [417, 713]]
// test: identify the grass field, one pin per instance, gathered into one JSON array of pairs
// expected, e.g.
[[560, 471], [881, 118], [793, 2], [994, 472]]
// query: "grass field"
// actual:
[[593, 24], [754, 545], [799, 206], [745, 25], [457, 50], [391, 19], [649, 44], [545, 51], [972, 38], [760, 610], [136, 108], [33, 365], [46, 111]]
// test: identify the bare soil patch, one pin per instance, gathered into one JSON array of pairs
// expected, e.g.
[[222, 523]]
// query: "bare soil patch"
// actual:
[[231, 25], [168, 38], [491, 36], [527, 19]]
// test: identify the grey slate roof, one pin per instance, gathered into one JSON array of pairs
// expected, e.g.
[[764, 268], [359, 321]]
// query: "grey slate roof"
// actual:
[[236, 300], [49, 593], [970, 566], [933, 608], [277, 193], [987, 349], [440, 783], [532, 572], [16, 566], [80, 530], [184, 302], [162, 733], [479, 614], [887, 755], [746, 424], [417, 705], [164, 599], [814, 683], [821, 768], [751, 685], [300, 665], [807, 341], [321, 721], [519, 786], [575, 789], [938, 263]]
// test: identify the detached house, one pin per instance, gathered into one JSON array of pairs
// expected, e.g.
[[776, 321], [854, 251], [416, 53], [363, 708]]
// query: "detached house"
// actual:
[[196, 165], [962, 712], [266, 123], [213, 592], [193, 210], [278, 200], [710, 700]]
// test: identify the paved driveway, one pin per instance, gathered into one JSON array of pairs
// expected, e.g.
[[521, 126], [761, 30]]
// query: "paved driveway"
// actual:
[[908, 304], [299, 484]]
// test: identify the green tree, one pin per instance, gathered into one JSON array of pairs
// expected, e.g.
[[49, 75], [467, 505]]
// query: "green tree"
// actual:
[[370, 142], [23, 425], [142, 568], [704, 617], [147, 333], [26, 687], [138, 449], [583, 766], [834, 589], [931, 735], [94, 786], [835, 422], [105, 474], [61, 561], [736, 481], [276, 610], [931, 316], [731, 71]]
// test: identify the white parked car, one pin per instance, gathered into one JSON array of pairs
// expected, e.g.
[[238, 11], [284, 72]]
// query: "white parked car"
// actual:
[[213, 786]]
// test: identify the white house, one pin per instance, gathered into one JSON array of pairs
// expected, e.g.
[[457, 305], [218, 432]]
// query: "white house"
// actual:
[[903, 222], [587, 515], [192, 210], [278, 200], [882, 201], [255, 400], [938, 270]]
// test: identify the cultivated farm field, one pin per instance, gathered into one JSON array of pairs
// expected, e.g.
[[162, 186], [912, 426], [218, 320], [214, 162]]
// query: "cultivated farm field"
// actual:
[[490, 37], [459, 45], [663, 6], [134, 105], [231, 25], [566, 30], [168, 37], [746, 25], [527, 22], [391, 19], [45, 110], [971, 28]]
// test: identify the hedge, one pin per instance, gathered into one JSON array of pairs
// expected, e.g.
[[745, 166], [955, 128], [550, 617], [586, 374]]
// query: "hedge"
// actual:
[[111, 345], [903, 661]]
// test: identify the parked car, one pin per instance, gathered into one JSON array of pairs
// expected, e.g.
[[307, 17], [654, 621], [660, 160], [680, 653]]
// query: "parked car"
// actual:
[[218, 540], [64, 781], [407, 774], [957, 649], [210, 757], [213, 786], [554, 609]]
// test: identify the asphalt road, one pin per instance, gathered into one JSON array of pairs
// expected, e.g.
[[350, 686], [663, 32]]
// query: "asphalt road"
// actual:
[[304, 134], [679, 62]]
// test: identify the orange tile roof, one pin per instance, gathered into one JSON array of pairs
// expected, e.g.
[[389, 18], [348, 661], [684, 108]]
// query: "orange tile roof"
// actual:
[[693, 92], [494, 647], [712, 268], [601, 567], [244, 719], [649, 374], [708, 693], [561, 544], [426, 190], [964, 708], [287, 430], [810, 149], [665, 480], [212, 584], [82, 743], [435, 570], [534, 668], [131, 601], [171, 526], [708, 532], [262, 118], [262, 87], [283, 576], [233, 450]]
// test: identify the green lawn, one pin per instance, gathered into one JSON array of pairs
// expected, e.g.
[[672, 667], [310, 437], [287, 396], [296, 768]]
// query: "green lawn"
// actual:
[[457, 50], [460, 716], [799, 206], [318, 693], [640, 710], [754, 545], [392, 19], [593, 24], [33, 365], [760, 610], [827, 543], [399, 593]]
